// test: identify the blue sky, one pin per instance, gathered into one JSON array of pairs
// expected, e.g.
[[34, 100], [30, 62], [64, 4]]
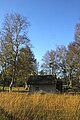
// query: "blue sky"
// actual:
[[52, 21]]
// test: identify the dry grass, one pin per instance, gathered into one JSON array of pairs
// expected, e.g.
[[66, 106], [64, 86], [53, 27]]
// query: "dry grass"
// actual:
[[40, 107]]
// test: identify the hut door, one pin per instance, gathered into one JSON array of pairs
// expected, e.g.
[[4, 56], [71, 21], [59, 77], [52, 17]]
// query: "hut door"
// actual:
[[59, 86], [36, 88]]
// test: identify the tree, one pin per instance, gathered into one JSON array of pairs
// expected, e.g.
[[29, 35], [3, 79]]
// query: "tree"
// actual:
[[61, 53], [49, 62], [73, 57], [13, 37], [71, 60], [55, 62], [77, 44], [25, 64]]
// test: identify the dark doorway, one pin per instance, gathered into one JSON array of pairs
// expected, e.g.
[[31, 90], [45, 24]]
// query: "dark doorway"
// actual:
[[59, 85]]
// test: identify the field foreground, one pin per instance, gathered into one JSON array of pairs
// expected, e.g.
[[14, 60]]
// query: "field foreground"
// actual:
[[21, 106]]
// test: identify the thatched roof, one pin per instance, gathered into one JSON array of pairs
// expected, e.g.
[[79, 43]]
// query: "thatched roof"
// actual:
[[41, 80]]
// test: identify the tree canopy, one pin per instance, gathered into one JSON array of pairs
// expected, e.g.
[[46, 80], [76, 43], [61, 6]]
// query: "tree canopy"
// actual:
[[16, 56], [65, 61]]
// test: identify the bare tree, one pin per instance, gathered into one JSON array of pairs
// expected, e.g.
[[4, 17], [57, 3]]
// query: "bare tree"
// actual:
[[61, 60], [13, 37], [49, 62]]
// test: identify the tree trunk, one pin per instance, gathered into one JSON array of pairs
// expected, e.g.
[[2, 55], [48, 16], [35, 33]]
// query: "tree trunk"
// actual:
[[11, 85], [3, 86], [3, 81], [26, 86]]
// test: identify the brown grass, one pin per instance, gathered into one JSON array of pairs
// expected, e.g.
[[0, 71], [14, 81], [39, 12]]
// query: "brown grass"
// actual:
[[40, 107]]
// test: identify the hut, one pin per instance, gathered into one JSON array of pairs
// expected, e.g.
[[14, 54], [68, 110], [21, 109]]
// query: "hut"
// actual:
[[46, 83]]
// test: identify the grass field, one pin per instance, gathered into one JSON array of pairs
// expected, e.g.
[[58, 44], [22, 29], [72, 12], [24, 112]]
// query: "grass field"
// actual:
[[14, 89], [21, 106]]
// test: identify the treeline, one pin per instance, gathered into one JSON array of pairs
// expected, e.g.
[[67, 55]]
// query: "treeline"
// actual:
[[17, 61], [64, 62]]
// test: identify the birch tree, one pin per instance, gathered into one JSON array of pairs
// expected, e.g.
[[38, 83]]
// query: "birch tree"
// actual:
[[13, 37]]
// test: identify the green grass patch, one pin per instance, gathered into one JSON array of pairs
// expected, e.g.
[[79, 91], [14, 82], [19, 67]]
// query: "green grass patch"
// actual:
[[14, 89]]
